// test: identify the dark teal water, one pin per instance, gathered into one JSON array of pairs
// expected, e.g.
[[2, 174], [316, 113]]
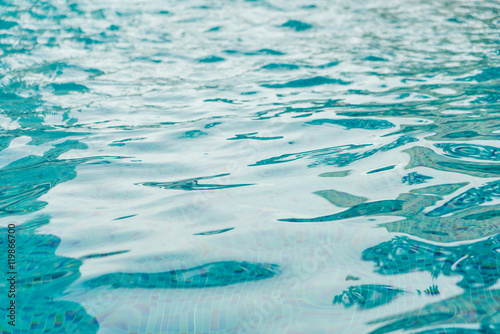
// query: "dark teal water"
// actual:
[[250, 166]]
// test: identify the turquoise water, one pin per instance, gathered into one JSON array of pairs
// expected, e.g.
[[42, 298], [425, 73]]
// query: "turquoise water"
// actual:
[[250, 166]]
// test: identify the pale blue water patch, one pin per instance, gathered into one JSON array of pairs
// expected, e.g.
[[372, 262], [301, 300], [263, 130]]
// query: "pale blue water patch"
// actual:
[[251, 166]]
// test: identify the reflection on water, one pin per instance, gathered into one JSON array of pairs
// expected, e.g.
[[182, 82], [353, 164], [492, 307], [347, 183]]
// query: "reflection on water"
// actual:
[[222, 167]]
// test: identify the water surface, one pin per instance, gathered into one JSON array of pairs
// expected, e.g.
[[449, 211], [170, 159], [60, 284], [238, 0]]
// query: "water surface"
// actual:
[[251, 166]]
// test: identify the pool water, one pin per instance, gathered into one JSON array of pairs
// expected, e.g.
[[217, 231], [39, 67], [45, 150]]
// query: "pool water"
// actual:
[[262, 166]]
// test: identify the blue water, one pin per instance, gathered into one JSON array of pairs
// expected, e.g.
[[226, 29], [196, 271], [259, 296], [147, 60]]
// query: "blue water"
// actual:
[[251, 166]]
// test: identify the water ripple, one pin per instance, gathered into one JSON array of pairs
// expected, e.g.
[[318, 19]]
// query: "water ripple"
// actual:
[[309, 82], [208, 275], [192, 184]]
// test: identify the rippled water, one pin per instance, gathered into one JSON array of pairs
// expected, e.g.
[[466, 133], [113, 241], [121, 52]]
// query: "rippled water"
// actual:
[[251, 166]]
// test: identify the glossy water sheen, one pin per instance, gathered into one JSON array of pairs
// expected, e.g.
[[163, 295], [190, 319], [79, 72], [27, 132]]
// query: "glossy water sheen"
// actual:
[[261, 166]]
